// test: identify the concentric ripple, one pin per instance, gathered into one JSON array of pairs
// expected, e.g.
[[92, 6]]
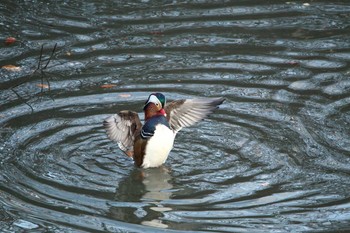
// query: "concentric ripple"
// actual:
[[273, 158]]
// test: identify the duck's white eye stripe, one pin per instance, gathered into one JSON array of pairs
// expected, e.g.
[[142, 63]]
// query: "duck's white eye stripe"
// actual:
[[153, 99]]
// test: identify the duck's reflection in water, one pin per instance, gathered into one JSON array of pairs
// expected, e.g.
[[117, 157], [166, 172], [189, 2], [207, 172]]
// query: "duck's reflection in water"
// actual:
[[138, 197]]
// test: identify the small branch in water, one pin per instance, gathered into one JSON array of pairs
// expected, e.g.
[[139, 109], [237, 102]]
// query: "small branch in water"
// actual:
[[40, 61], [52, 53], [42, 69], [41, 55], [21, 98]]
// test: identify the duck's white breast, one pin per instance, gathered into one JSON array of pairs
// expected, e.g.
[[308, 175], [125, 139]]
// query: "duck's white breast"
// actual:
[[158, 147]]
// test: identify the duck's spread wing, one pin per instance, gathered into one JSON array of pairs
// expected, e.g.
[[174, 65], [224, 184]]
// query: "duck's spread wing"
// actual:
[[122, 128], [184, 113]]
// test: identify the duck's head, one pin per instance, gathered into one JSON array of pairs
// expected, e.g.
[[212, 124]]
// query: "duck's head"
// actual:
[[158, 99], [155, 105]]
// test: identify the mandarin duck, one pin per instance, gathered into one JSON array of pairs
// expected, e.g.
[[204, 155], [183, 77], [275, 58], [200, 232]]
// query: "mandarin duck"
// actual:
[[149, 144]]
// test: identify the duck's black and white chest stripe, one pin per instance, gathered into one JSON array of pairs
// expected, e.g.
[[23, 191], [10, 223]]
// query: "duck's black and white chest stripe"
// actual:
[[149, 127]]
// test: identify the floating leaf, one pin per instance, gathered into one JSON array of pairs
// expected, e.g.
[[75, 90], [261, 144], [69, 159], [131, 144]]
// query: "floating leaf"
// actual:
[[11, 68], [10, 40], [41, 85], [293, 63], [108, 85], [124, 95]]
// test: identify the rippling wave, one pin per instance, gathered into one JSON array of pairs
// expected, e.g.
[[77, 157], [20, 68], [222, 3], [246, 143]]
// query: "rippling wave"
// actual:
[[273, 158]]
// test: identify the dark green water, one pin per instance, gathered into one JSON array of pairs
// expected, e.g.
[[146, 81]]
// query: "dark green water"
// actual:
[[274, 158]]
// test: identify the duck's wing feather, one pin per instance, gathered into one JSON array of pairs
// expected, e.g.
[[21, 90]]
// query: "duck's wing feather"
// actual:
[[122, 128], [186, 112]]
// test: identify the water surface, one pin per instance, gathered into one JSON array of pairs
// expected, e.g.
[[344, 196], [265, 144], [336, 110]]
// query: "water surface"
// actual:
[[273, 158]]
